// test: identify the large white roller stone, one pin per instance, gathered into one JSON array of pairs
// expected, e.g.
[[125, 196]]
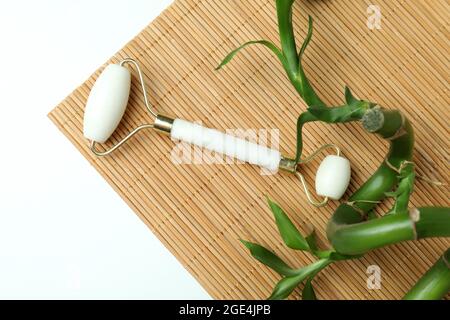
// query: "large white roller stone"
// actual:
[[107, 102], [228, 145], [333, 177]]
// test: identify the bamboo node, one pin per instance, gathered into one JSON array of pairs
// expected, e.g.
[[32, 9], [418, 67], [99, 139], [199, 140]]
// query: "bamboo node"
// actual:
[[373, 119], [414, 215], [420, 177], [359, 210]]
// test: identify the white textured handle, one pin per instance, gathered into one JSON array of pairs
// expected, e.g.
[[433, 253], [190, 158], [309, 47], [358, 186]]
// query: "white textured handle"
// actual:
[[231, 146], [106, 103], [333, 177]]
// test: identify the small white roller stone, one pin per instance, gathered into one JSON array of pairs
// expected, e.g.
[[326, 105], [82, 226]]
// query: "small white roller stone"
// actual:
[[228, 145], [333, 177], [107, 102]]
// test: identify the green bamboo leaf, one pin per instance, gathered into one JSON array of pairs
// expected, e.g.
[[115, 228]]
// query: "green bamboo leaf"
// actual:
[[312, 241], [286, 286], [292, 63], [349, 98], [307, 39], [308, 292], [266, 43], [353, 110], [268, 258], [307, 91], [342, 114], [290, 234], [404, 189], [287, 36]]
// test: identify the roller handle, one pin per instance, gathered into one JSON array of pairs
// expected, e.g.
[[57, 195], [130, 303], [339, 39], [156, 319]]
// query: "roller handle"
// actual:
[[225, 144], [332, 178]]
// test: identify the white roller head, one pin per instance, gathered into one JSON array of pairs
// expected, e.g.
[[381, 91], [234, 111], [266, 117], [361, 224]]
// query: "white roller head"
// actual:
[[107, 103], [333, 177]]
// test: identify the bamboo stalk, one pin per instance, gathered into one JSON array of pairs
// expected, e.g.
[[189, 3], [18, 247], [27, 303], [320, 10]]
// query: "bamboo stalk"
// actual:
[[348, 230], [435, 283], [348, 236]]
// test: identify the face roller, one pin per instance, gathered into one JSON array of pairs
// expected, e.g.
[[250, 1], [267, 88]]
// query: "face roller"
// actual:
[[106, 106]]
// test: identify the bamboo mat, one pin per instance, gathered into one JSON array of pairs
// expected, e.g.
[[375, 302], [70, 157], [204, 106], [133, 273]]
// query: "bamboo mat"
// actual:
[[200, 211]]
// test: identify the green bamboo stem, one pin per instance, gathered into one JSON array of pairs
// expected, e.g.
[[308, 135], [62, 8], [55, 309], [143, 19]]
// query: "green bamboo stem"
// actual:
[[435, 283], [351, 237], [393, 126], [349, 230]]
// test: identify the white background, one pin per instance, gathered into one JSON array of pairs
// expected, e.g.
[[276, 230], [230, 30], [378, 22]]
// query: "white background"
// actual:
[[50, 245]]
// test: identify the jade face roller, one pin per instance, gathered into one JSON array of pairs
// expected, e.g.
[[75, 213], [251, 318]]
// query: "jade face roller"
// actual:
[[106, 106]]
